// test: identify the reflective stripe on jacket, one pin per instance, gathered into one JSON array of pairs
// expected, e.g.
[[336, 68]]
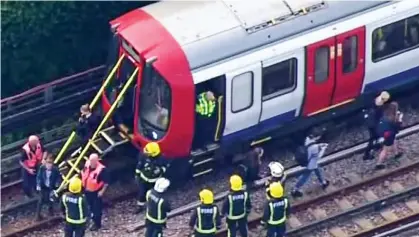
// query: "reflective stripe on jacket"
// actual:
[[277, 210], [237, 201], [207, 216], [205, 107], [155, 209], [89, 178], [34, 158], [149, 171], [75, 208]]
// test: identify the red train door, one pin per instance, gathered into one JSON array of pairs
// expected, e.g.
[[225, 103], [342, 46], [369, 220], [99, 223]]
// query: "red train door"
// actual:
[[334, 71], [320, 75], [350, 65]]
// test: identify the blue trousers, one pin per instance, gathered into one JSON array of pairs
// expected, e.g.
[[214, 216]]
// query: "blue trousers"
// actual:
[[306, 175]]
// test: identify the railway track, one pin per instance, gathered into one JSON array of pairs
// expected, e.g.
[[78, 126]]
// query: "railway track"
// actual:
[[369, 212], [187, 208]]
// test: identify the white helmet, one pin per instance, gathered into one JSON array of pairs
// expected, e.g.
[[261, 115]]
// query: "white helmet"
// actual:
[[161, 185], [277, 170]]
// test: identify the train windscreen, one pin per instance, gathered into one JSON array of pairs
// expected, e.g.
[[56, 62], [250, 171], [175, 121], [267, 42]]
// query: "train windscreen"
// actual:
[[155, 103]]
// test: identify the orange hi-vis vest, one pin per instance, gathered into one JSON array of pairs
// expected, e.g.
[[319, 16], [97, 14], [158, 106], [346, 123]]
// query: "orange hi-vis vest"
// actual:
[[34, 158], [89, 178]]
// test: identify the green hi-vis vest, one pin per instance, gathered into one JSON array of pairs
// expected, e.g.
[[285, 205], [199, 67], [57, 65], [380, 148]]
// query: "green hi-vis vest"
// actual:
[[204, 106]]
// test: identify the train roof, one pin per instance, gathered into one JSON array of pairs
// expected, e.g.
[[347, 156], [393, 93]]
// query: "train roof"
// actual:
[[210, 31]]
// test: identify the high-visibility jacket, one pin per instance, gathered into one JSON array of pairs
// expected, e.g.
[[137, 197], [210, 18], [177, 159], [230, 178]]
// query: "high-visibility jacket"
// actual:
[[206, 219], [237, 205], [276, 211], [205, 107], [90, 177], [149, 169], [34, 158], [74, 207], [157, 207]]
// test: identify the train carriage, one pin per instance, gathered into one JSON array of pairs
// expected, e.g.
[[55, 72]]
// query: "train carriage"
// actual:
[[274, 66]]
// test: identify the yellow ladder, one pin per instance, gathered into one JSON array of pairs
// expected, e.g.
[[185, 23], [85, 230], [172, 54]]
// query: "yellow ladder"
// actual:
[[76, 164], [91, 105]]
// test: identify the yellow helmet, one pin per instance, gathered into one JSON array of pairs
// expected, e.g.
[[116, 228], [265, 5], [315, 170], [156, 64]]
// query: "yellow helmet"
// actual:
[[206, 196], [152, 149], [276, 190], [236, 183], [75, 185]]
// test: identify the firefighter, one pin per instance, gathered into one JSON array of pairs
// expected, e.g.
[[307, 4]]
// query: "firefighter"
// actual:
[[276, 211], [75, 210], [206, 218], [33, 153], [157, 208], [95, 182], [249, 169], [277, 175], [148, 170], [237, 206]]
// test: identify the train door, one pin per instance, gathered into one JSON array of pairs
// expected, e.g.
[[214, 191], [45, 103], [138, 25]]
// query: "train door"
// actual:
[[334, 71], [350, 63], [243, 98], [320, 75]]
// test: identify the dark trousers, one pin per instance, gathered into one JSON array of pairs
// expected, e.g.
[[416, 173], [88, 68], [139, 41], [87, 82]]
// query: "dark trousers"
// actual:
[[153, 229], [29, 183], [44, 199], [143, 187], [234, 225], [74, 230], [197, 234], [95, 206], [276, 230], [205, 127], [372, 140]]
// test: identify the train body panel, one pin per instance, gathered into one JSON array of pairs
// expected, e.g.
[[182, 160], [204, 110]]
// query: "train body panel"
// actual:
[[266, 80], [227, 29]]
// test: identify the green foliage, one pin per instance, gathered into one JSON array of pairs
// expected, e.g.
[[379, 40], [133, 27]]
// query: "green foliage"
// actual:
[[43, 41]]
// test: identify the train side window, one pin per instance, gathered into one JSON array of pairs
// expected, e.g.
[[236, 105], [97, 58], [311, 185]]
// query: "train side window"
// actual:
[[279, 79], [395, 38], [241, 92], [321, 72], [350, 54]]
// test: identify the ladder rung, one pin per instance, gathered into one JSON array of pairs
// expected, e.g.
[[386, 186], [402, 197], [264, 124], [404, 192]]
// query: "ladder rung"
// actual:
[[73, 166], [202, 173], [61, 164], [75, 152], [122, 135], [108, 128], [96, 147], [203, 162], [123, 128], [107, 138]]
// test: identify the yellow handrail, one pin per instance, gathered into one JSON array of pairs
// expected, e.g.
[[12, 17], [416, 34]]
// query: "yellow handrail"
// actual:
[[104, 120], [91, 106], [220, 119]]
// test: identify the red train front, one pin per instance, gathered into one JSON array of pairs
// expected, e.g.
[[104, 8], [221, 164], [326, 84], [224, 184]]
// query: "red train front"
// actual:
[[159, 106]]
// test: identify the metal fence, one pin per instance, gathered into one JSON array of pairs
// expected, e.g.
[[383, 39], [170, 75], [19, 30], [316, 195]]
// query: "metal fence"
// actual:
[[47, 99]]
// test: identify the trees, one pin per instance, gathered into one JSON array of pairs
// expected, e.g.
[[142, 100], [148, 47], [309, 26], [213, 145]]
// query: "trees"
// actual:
[[42, 41]]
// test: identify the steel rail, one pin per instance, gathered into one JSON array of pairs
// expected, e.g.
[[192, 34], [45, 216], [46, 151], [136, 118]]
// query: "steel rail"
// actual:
[[186, 208], [398, 230], [304, 204], [293, 172]]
